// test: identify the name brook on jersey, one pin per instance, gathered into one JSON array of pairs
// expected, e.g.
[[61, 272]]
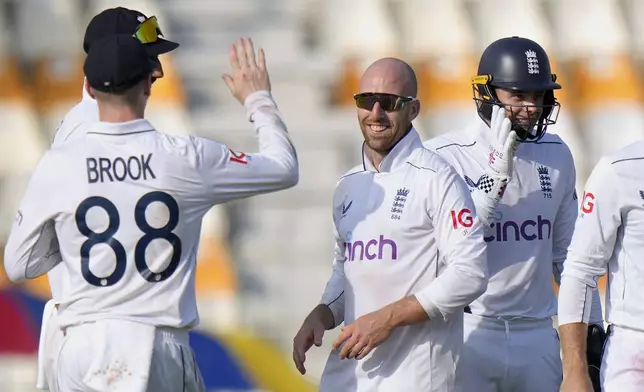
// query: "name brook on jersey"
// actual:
[[118, 169]]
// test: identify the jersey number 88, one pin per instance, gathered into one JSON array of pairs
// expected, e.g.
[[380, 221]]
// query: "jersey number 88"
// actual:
[[107, 237]]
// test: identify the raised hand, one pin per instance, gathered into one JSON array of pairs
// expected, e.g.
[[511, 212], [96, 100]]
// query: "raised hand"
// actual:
[[249, 74]]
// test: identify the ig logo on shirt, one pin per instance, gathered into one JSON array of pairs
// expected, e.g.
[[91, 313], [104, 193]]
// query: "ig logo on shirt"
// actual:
[[587, 203], [462, 218]]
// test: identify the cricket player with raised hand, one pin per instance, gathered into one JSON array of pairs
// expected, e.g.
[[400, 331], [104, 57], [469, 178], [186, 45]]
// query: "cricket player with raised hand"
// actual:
[[122, 208], [608, 239], [409, 254], [525, 195], [111, 21]]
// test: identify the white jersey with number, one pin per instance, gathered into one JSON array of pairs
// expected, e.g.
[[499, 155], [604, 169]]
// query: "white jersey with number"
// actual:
[[122, 208], [609, 239], [406, 229], [534, 222]]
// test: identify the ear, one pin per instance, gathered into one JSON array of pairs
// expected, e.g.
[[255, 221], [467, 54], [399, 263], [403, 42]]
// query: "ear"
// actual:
[[414, 110], [147, 88], [157, 68], [89, 90]]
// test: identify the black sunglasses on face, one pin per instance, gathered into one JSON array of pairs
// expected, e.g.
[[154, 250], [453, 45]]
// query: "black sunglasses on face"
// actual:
[[388, 102]]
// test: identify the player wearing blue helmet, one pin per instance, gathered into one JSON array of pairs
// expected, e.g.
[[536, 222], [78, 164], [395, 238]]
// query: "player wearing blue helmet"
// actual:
[[522, 180]]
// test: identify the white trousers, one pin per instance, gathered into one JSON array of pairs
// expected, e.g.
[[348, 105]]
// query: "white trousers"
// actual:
[[117, 355], [509, 356], [51, 338], [622, 367]]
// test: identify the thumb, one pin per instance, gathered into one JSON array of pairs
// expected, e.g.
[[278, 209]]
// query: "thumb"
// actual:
[[229, 82], [318, 334]]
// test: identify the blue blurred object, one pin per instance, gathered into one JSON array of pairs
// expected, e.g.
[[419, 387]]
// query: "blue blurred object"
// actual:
[[220, 367], [220, 370]]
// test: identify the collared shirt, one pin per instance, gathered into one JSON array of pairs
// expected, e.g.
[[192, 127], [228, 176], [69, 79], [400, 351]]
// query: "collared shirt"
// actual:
[[71, 127], [406, 228], [122, 208], [534, 222], [609, 239]]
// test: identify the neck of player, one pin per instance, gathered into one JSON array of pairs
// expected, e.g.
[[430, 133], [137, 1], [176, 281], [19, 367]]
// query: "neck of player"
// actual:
[[374, 157], [119, 113]]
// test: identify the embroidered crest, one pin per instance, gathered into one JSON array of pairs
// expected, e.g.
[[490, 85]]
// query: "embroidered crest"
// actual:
[[545, 182], [399, 203], [533, 61]]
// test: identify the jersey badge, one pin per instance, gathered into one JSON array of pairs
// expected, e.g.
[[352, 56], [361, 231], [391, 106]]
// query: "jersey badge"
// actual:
[[238, 157], [587, 203], [399, 203], [345, 208], [545, 182], [472, 184]]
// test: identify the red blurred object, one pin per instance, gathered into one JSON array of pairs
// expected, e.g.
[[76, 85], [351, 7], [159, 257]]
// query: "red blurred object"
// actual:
[[18, 335]]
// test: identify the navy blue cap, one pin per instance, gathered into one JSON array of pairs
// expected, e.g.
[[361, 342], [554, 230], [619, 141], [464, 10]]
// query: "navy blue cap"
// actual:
[[122, 20], [116, 63]]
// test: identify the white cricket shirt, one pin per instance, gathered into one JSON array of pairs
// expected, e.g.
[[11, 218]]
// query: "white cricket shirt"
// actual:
[[408, 228], [71, 127], [86, 111], [122, 207], [534, 222], [609, 238]]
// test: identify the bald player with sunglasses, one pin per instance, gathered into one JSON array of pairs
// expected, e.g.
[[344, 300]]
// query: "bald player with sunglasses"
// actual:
[[109, 22], [402, 304]]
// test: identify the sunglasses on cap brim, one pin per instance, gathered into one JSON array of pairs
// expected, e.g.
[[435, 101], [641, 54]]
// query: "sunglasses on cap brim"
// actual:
[[148, 31], [388, 102]]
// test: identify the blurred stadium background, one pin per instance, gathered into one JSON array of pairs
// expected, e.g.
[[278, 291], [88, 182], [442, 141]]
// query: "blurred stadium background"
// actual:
[[264, 261]]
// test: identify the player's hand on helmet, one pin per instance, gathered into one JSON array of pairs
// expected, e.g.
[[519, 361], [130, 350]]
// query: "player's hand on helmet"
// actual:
[[503, 144], [311, 332], [249, 73]]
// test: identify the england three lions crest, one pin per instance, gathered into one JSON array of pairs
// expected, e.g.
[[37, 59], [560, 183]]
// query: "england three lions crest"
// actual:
[[545, 182], [399, 203], [533, 61]]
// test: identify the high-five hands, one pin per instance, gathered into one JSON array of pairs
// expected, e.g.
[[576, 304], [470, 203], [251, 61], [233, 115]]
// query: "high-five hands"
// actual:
[[249, 74]]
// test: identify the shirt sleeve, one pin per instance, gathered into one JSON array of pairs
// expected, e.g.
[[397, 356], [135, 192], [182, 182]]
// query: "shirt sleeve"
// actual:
[[592, 244], [229, 175], [70, 127], [486, 192], [564, 223], [32, 247], [333, 295], [564, 227], [459, 237]]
